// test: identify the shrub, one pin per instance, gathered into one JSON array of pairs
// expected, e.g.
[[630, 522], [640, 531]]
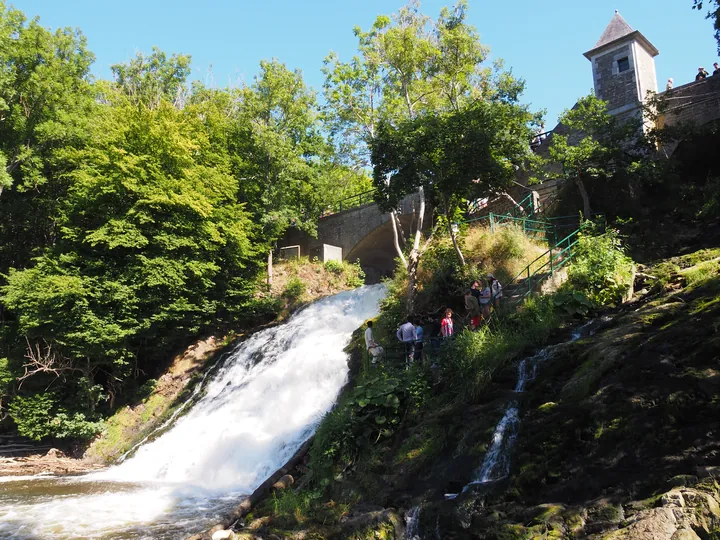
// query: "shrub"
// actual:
[[334, 267], [294, 289], [354, 275], [600, 269], [34, 418], [472, 360]]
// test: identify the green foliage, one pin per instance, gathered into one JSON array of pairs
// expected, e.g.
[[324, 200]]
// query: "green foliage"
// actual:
[[473, 359], [354, 274], [597, 149], [38, 417], [572, 302], [334, 267], [600, 269], [447, 153], [294, 289], [137, 213], [365, 417]]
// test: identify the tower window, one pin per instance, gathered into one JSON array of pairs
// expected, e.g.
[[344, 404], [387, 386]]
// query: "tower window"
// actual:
[[623, 64]]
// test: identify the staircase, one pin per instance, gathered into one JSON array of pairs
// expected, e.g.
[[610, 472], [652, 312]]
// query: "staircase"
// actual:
[[542, 268]]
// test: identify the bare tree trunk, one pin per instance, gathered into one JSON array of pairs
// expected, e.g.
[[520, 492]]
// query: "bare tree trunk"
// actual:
[[586, 199], [453, 237], [414, 258], [269, 269], [393, 217], [401, 233]]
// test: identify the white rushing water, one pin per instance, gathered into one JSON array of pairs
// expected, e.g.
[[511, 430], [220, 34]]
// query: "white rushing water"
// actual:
[[412, 524], [264, 401]]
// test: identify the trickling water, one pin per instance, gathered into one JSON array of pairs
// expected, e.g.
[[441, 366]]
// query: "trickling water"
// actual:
[[412, 524], [496, 464], [263, 402]]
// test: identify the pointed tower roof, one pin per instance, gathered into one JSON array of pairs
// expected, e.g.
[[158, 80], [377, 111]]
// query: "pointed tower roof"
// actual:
[[617, 29], [620, 30]]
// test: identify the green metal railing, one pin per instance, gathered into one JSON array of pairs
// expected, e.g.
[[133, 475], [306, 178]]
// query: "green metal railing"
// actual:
[[353, 201], [557, 257]]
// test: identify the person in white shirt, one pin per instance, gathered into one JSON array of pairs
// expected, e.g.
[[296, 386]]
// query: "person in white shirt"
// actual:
[[373, 348], [407, 335], [495, 290]]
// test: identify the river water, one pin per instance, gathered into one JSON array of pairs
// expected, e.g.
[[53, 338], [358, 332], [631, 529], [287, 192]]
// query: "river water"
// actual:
[[263, 402]]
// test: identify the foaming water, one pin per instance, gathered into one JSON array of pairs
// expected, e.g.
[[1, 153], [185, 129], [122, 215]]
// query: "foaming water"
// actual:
[[264, 401]]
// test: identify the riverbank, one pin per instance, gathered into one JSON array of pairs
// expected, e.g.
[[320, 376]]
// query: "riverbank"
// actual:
[[616, 439], [296, 284]]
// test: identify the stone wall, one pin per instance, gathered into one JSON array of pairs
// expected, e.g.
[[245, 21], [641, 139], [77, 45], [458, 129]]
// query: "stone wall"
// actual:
[[620, 90]]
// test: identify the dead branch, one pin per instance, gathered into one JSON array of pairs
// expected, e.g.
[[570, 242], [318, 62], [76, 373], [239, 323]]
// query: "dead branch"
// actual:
[[45, 359]]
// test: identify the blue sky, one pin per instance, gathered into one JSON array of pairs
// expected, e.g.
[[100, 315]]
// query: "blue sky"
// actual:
[[542, 41]]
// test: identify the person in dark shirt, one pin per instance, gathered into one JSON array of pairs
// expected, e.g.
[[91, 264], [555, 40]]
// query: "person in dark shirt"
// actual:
[[701, 74], [716, 71], [475, 290]]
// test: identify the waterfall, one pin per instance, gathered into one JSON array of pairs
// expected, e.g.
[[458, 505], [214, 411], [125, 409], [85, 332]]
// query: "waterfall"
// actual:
[[261, 404], [496, 464], [412, 524]]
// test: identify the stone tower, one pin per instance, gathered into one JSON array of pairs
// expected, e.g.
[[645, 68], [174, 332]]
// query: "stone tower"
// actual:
[[623, 64]]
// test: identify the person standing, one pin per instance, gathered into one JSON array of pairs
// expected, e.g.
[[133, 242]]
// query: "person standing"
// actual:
[[473, 308], [495, 290], [446, 326], [485, 297], [669, 85], [475, 290], [406, 335], [702, 74], [371, 345], [716, 70], [419, 335]]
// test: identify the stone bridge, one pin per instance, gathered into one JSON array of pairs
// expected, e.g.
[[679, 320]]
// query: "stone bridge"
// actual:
[[364, 233]]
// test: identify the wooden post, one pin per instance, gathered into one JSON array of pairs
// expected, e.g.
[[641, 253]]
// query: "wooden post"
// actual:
[[269, 270]]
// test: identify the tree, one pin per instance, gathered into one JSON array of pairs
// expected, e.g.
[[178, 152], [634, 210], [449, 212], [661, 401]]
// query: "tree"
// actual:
[[408, 66], [593, 146], [153, 247], [713, 14], [152, 79], [454, 156], [46, 103]]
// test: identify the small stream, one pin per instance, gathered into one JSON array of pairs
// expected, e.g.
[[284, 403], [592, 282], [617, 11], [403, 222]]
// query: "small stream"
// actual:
[[496, 464]]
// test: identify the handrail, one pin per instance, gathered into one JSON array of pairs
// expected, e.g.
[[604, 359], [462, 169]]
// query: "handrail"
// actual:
[[558, 258]]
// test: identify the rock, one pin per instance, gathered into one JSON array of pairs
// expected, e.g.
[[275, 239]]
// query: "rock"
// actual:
[[673, 499], [682, 480], [708, 471], [223, 535], [284, 482], [685, 534], [54, 453]]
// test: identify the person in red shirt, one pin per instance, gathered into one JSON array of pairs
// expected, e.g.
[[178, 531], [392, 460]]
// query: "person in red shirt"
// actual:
[[446, 326]]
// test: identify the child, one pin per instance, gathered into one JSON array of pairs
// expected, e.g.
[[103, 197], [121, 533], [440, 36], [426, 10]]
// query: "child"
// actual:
[[446, 326]]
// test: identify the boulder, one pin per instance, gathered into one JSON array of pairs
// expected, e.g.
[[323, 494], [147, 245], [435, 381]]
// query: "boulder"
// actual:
[[224, 534], [284, 482]]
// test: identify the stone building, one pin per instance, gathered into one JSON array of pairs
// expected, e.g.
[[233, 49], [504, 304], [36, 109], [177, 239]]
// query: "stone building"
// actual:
[[623, 67]]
